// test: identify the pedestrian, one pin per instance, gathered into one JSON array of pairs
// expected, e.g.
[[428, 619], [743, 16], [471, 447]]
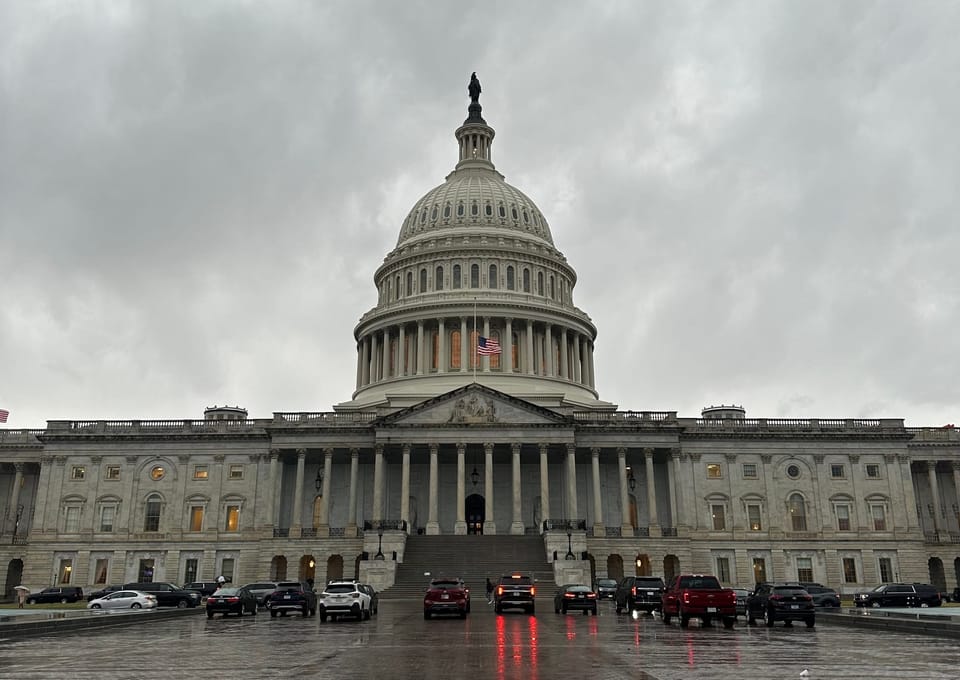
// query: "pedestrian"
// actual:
[[489, 591], [21, 597]]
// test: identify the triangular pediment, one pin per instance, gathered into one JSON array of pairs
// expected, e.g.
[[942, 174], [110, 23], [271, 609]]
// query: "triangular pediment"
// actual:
[[474, 405]]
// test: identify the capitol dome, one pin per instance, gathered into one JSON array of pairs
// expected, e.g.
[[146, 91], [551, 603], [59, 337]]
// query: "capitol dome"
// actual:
[[475, 291]]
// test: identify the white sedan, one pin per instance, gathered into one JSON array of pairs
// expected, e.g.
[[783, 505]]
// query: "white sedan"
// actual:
[[124, 599]]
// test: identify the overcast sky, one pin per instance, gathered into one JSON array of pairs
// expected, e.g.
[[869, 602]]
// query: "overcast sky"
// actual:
[[760, 199]]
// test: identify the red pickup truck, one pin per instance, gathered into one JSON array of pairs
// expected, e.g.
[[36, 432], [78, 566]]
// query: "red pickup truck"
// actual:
[[697, 595]]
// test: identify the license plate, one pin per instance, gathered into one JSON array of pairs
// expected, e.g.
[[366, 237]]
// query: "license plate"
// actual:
[[794, 606], [711, 610], [286, 597], [649, 592], [444, 597]]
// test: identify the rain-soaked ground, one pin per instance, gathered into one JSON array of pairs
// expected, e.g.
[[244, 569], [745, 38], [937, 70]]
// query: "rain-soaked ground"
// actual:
[[399, 644]]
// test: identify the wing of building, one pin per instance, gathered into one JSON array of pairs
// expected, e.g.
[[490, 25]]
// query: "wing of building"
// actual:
[[446, 458]]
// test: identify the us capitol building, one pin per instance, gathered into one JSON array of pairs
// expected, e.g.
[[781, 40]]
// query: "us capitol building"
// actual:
[[476, 411]]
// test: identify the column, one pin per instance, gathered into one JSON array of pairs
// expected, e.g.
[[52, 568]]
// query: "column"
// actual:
[[15, 497], [485, 365], [564, 368], [598, 524], [385, 357], [325, 503], [573, 513], [433, 525], [272, 515], [577, 368], [352, 509], [378, 483], [460, 526], [402, 351], [489, 525], [516, 527], [373, 357], [544, 487], [420, 347], [548, 348], [506, 361], [674, 473], [405, 488], [626, 526], [935, 492], [651, 493], [441, 346], [528, 344], [298, 492]]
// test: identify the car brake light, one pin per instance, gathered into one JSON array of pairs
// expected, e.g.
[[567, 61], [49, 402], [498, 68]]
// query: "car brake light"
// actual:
[[570, 595], [233, 599], [633, 591], [589, 595]]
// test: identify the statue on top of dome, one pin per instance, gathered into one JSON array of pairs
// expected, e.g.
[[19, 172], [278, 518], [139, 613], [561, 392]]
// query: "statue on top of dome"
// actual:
[[474, 88]]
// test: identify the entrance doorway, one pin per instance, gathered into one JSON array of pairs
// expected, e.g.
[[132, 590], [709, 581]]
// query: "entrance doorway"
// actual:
[[474, 511]]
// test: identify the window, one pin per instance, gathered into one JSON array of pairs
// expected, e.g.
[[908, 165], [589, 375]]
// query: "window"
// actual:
[[409, 290], [719, 521], [553, 288], [723, 569], [843, 518], [446, 210], [526, 280], [433, 213], [108, 514], [488, 210], [157, 473], [759, 570], [236, 472], [793, 471], [474, 209], [423, 281], [226, 568], [492, 277], [714, 471], [65, 571], [456, 276], [460, 210], [804, 569], [539, 283], [233, 519], [190, 570], [798, 512], [196, 518], [71, 523], [879, 516], [151, 515], [873, 471], [113, 472], [885, 566], [749, 470], [200, 472], [849, 570], [511, 279], [837, 471], [438, 279], [78, 472], [474, 276], [753, 518], [100, 570], [396, 288]]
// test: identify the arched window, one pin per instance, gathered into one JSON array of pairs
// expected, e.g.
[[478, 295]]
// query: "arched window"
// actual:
[[526, 280], [539, 283], [513, 211], [502, 211], [492, 277], [456, 276], [474, 276], [511, 279], [460, 210], [409, 284], [446, 210], [396, 289], [798, 512], [553, 288], [488, 209], [438, 279], [474, 209], [423, 281], [151, 513], [433, 213], [455, 349]]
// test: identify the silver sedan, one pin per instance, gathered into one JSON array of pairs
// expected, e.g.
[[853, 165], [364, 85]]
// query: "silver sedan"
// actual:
[[124, 599]]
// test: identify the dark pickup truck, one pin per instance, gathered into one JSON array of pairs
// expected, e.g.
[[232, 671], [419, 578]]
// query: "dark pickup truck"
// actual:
[[639, 593], [515, 591], [697, 595]]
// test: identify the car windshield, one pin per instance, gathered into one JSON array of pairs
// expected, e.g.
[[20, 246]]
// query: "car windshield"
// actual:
[[649, 582], [606, 582], [788, 590], [578, 589], [228, 591], [262, 586]]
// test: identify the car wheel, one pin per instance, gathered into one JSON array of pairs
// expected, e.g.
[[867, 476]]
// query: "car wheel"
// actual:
[[209, 615], [182, 604], [751, 621], [924, 604], [463, 614], [254, 610], [728, 621], [875, 604], [366, 614], [768, 618], [594, 611], [563, 609], [63, 600], [498, 609], [273, 614], [305, 612], [93, 606], [811, 622], [556, 608], [426, 615], [533, 610], [135, 605], [667, 618], [323, 617], [684, 618]]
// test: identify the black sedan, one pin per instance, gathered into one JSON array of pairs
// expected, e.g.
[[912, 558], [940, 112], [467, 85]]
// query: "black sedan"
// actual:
[[606, 588], [573, 596], [231, 601]]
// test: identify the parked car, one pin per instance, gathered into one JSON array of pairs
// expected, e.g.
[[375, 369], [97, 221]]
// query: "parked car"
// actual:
[[787, 602], [205, 588], [262, 590], [575, 596], [699, 596], [823, 596], [639, 593], [230, 600], [446, 595], [516, 591], [342, 598], [742, 595], [605, 588], [61, 594], [899, 595], [106, 590], [290, 596], [374, 597], [124, 599], [167, 594]]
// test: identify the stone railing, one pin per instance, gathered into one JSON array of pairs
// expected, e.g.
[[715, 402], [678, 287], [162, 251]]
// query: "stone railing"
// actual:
[[794, 424], [934, 434], [668, 532], [626, 417], [564, 525], [331, 418], [281, 533], [77, 427], [386, 525]]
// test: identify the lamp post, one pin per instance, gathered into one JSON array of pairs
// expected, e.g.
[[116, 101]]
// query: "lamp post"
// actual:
[[379, 555], [570, 555], [318, 482], [631, 480]]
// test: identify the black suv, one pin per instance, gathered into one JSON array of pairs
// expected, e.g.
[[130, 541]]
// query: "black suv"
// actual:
[[639, 593], [516, 591], [61, 594], [205, 588], [787, 602], [822, 596], [292, 596], [899, 595], [167, 594]]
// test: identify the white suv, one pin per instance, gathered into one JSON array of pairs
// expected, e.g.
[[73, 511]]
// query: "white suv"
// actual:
[[343, 598]]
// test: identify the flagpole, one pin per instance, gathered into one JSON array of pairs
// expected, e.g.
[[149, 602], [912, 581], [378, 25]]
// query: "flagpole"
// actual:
[[476, 346]]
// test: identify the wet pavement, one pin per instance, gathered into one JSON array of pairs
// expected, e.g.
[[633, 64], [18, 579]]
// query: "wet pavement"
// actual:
[[399, 644]]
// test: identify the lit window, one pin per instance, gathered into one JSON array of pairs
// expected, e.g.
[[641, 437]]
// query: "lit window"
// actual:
[[873, 471], [200, 472], [749, 470], [157, 472], [196, 518], [113, 472], [798, 512], [233, 518], [753, 518], [78, 472], [714, 471], [236, 472], [65, 571]]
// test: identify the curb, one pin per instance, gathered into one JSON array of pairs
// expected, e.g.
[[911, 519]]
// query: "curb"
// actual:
[[898, 622], [62, 623]]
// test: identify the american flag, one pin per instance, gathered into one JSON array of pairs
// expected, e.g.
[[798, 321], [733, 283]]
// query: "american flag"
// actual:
[[3, 415], [487, 346]]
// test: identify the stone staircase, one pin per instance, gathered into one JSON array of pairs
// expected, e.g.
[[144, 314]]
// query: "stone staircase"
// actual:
[[472, 558]]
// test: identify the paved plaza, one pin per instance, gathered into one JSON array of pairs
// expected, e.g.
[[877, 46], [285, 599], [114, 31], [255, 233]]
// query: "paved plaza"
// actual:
[[399, 644]]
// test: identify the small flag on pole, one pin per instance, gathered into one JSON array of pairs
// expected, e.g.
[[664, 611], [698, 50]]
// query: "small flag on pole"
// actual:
[[486, 346], [4, 415]]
